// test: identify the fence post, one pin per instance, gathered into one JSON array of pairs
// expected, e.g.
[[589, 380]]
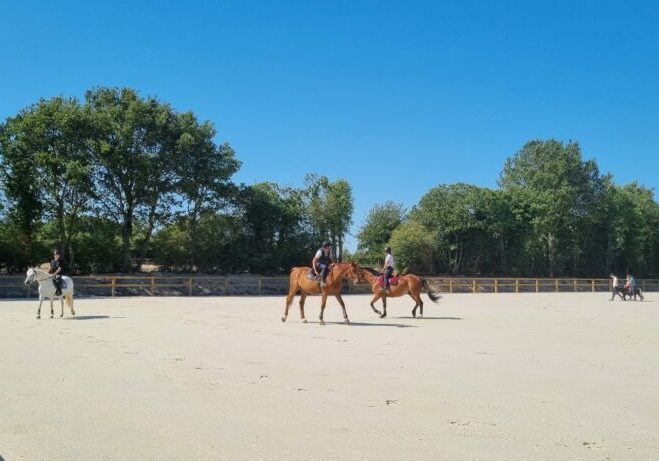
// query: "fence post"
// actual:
[[537, 286], [516, 285], [473, 285], [450, 285], [114, 286], [190, 286], [260, 285], [592, 284], [556, 283], [496, 285], [153, 286], [575, 285]]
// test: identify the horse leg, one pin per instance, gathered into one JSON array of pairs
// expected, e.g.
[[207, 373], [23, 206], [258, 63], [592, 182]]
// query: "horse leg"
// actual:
[[52, 312], [416, 304], [61, 299], [322, 308], [343, 306], [73, 312], [384, 307], [39, 308], [303, 297], [375, 298], [420, 301], [289, 301]]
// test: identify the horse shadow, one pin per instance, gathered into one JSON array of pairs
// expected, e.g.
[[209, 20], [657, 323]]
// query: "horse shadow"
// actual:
[[366, 324], [91, 317], [431, 318]]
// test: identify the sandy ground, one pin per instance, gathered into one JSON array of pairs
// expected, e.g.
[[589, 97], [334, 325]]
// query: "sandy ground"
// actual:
[[548, 376]]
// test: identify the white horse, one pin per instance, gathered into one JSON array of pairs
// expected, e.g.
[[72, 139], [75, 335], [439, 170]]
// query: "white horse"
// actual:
[[47, 289]]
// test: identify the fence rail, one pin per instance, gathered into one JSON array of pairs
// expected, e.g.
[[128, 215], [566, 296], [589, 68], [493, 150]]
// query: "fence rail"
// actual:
[[125, 285]]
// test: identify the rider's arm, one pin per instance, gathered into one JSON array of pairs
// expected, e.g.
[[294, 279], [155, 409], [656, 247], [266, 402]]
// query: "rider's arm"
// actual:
[[313, 264]]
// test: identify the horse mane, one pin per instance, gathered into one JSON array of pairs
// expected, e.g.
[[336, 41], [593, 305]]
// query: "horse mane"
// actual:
[[371, 271]]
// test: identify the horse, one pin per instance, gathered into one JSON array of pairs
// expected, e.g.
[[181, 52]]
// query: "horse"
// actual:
[[47, 289], [408, 284], [299, 281], [632, 292]]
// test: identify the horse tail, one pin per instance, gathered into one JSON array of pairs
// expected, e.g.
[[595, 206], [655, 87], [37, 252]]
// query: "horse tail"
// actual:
[[434, 297]]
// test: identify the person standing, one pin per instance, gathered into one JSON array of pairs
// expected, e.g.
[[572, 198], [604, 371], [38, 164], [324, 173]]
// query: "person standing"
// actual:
[[614, 286]]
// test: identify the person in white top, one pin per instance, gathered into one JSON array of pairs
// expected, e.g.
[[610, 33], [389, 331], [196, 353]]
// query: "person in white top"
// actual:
[[388, 268], [615, 288]]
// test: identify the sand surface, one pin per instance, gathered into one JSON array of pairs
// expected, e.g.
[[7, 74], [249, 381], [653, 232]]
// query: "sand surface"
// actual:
[[527, 376]]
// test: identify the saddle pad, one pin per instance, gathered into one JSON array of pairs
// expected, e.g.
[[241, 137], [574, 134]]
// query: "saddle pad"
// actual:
[[392, 280]]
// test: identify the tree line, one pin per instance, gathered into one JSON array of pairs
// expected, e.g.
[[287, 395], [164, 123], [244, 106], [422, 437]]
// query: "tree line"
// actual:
[[116, 179], [553, 214]]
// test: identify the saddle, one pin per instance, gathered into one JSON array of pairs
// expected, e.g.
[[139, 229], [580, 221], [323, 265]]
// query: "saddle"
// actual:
[[312, 276], [62, 283], [392, 280]]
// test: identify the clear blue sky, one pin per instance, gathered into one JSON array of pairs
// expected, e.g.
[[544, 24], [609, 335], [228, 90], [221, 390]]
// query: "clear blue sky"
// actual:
[[395, 96]]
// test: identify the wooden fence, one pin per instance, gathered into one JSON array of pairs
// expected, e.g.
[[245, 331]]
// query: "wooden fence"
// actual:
[[236, 285]]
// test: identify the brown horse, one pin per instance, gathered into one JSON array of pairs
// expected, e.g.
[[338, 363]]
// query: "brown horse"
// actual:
[[299, 282], [408, 284]]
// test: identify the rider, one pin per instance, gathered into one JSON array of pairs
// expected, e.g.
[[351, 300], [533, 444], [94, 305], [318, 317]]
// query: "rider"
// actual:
[[57, 270], [632, 284], [321, 262], [388, 268]]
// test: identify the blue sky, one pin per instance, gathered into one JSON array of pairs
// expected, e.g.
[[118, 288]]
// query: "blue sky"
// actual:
[[396, 97]]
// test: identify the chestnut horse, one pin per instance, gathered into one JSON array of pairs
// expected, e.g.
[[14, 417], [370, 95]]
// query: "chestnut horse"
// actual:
[[408, 284], [299, 282]]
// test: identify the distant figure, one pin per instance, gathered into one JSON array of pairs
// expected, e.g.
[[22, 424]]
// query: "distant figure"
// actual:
[[615, 287]]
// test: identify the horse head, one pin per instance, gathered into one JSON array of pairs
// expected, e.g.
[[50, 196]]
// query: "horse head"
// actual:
[[354, 273], [29, 275]]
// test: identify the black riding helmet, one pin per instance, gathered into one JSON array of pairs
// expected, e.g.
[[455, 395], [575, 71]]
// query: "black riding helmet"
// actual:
[[387, 250], [327, 245]]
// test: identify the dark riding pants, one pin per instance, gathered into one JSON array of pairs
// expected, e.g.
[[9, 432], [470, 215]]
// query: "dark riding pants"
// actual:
[[388, 273], [323, 269]]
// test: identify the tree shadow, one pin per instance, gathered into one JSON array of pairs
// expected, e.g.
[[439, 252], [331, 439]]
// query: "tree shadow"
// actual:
[[91, 317]]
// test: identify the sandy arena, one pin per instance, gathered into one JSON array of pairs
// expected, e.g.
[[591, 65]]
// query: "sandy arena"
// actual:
[[526, 376]]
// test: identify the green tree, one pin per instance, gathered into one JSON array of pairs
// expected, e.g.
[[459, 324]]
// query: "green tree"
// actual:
[[376, 231], [414, 246], [562, 190], [203, 175], [133, 152]]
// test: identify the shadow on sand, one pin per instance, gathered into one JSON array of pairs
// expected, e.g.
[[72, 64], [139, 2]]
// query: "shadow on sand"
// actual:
[[91, 317], [431, 318], [364, 324]]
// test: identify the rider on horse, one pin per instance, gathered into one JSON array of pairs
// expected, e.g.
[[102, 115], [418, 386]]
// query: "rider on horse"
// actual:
[[322, 261], [57, 270], [388, 268]]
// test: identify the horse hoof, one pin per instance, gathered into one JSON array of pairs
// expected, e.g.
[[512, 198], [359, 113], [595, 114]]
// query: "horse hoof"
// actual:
[[322, 323], [283, 319], [304, 321], [383, 316], [61, 315], [347, 322], [38, 317]]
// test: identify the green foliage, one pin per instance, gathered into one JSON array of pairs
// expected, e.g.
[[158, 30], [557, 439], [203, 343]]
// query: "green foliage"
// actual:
[[376, 231], [413, 245]]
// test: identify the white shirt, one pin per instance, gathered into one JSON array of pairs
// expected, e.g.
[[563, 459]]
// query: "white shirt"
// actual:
[[615, 281], [389, 261], [319, 253]]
